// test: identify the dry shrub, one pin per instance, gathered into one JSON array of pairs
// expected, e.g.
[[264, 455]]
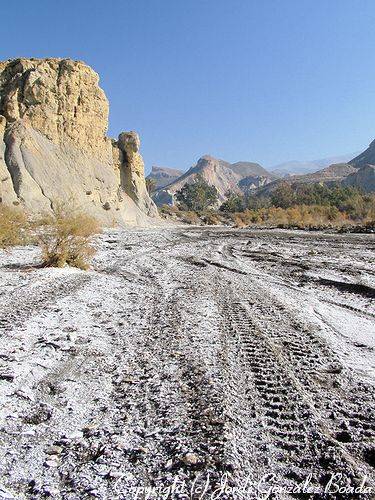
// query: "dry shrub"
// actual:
[[66, 238], [190, 217], [238, 219], [212, 218], [168, 211], [13, 227], [299, 216]]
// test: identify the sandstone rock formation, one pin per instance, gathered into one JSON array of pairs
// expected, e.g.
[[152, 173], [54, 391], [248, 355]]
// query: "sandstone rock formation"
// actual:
[[54, 148], [133, 171]]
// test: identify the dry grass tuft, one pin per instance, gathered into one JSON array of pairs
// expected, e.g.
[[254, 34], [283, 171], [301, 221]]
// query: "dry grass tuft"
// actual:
[[66, 238], [13, 227]]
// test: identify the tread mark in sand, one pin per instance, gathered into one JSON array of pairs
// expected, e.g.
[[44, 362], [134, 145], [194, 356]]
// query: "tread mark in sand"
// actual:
[[296, 444]]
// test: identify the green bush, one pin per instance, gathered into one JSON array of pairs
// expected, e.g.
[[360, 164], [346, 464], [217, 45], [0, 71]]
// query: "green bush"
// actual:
[[197, 196], [233, 203]]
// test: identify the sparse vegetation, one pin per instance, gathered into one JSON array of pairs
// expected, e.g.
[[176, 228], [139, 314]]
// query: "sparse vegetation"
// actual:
[[299, 216], [287, 195], [13, 227], [289, 206], [66, 238], [212, 217], [197, 196]]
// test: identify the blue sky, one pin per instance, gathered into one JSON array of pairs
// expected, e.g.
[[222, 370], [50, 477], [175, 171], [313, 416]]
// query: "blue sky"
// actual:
[[256, 80]]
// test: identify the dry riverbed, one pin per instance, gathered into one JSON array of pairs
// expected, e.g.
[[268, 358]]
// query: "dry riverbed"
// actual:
[[190, 361]]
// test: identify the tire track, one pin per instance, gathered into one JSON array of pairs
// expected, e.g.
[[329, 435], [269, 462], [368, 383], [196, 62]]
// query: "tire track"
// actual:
[[289, 419]]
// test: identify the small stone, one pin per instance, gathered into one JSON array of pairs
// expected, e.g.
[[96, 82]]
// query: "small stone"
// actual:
[[12, 415], [54, 450], [50, 491], [93, 492], [29, 432], [190, 458], [116, 474], [332, 368], [51, 463], [142, 449], [25, 393], [169, 465], [75, 435]]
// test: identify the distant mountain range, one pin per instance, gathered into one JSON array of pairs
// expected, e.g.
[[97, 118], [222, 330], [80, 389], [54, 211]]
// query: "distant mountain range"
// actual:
[[306, 167], [245, 176]]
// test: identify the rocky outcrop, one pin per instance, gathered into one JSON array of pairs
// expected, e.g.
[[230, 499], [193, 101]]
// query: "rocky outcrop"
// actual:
[[54, 148], [7, 194], [334, 173], [133, 171], [253, 182], [60, 98], [250, 169], [164, 197]]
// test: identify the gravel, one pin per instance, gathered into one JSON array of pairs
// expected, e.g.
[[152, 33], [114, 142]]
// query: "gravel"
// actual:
[[190, 363]]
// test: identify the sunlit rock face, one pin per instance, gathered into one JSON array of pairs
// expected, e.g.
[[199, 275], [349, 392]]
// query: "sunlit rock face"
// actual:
[[54, 148]]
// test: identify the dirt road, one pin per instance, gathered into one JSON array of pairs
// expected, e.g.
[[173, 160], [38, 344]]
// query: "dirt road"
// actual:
[[191, 363]]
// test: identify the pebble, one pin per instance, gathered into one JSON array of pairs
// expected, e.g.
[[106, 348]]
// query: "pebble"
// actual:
[[190, 458], [54, 450], [51, 463], [75, 435], [30, 432], [169, 464], [332, 368], [141, 449], [25, 393], [116, 474], [50, 491]]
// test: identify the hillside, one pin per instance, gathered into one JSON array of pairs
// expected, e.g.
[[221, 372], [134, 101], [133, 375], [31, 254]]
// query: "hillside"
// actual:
[[363, 178], [341, 173], [358, 172], [164, 175], [249, 169], [306, 167], [365, 158], [54, 148]]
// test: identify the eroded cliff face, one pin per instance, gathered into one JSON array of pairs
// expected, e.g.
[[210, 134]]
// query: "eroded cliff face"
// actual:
[[133, 171], [54, 148]]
